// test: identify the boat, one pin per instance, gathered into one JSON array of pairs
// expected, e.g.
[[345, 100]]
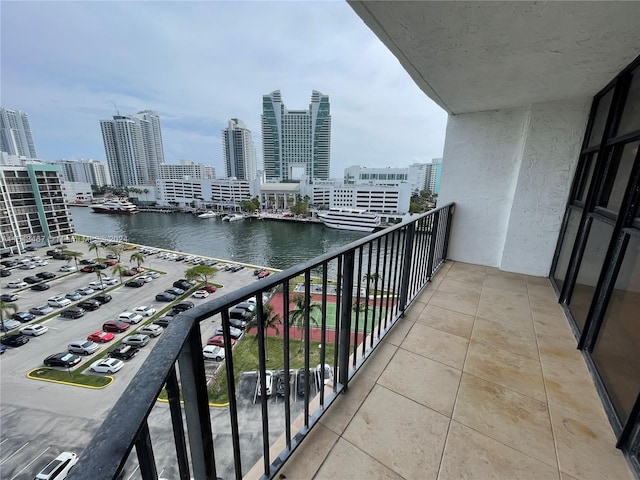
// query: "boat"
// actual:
[[208, 214], [350, 219], [233, 217], [120, 207]]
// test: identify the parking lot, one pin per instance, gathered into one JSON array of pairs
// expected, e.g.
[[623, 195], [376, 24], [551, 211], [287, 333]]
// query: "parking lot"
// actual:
[[41, 419]]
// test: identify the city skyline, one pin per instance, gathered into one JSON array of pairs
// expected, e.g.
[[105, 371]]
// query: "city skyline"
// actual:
[[183, 69]]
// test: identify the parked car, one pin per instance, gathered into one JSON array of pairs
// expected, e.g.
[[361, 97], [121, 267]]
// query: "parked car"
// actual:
[[130, 317], [16, 284], [83, 347], [97, 286], [9, 263], [301, 382], [151, 330], [200, 294], [257, 272], [219, 341], [281, 382], [4, 272], [89, 304], [176, 291], [67, 268], [182, 306], [144, 310], [109, 281], [32, 280], [41, 310], [9, 297], [15, 340], [9, 325], [248, 306], [328, 373], [73, 296], [241, 324], [234, 332], [102, 298], [87, 262], [145, 278], [73, 312], [46, 275], [123, 352], [63, 359], [59, 468], [88, 269], [58, 301], [213, 352], [153, 274], [106, 365], [40, 287], [61, 256], [165, 297], [264, 274], [34, 330], [182, 284], [23, 317], [268, 381], [136, 283], [26, 266], [137, 340], [101, 336], [240, 314], [209, 288], [162, 321], [116, 326], [52, 252], [85, 291], [111, 262]]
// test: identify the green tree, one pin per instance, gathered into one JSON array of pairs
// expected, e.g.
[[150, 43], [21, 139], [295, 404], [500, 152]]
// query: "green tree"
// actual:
[[6, 310], [138, 257], [73, 256], [119, 269], [99, 274], [116, 250], [94, 246], [372, 278], [270, 319], [201, 273], [298, 315]]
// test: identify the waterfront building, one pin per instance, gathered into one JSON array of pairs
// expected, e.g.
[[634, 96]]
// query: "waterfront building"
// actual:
[[413, 175], [238, 151], [93, 172], [77, 192], [15, 133], [32, 206], [296, 143], [224, 193], [133, 146], [186, 170], [434, 177]]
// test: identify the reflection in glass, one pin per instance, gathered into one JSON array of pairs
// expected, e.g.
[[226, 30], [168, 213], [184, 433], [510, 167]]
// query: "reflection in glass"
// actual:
[[617, 351], [600, 119], [630, 121], [599, 236], [612, 199], [568, 240], [586, 173]]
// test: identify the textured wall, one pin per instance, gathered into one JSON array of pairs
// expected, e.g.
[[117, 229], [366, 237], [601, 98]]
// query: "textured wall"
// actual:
[[509, 172]]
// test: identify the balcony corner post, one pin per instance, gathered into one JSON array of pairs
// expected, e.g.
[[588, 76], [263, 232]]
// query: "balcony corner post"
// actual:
[[432, 243], [406, 267], [345, 314]]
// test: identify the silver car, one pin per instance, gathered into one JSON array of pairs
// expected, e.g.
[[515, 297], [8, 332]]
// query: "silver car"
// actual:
[[137, 340], [83, 347]]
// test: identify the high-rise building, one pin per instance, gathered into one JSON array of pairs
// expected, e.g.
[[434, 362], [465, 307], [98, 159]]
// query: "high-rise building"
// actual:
[[186, 170], [133, 145], [239, 152], [15, 133], [93, 172], [296, 142]]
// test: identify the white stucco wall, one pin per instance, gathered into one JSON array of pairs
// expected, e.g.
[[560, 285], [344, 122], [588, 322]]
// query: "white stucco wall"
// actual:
[[509, 172]]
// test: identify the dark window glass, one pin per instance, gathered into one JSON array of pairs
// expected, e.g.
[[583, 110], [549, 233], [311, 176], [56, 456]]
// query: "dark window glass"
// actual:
[[617, 350], [585, 174], [630, 121], [618, 177], [567, 246], [599, 236], [600, 118]]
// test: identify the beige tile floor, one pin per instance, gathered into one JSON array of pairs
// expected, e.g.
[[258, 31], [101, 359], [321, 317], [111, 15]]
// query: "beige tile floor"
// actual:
[[480, 380]]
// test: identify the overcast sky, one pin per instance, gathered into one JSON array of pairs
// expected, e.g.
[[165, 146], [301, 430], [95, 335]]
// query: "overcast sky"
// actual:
[[198, 64]]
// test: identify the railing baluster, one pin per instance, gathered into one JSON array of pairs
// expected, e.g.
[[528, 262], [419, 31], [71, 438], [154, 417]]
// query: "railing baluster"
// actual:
[[144, 451], [406, 267], [307, 343], [345, 321], [367, 294], [287, 364], [432, 246], [173, 396], [323, 333], [358, 289], [262, 367]]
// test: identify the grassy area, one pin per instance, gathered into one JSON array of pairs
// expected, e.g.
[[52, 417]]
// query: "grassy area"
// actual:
[[75, 378]]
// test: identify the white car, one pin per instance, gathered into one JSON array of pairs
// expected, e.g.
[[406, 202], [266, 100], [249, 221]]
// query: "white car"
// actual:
[[200, 294], [213, 352], [233, 331], [68, 268], [109, 281], [107, 365], [16, 284], [40, 263], [27, 266], [97, 285], [144, 310], [58, 301], [268, 380], [144, 278], [34, 330], [83, 347], [130, 317], [151, 330], [153, 274], [85, 291], [59, 468]]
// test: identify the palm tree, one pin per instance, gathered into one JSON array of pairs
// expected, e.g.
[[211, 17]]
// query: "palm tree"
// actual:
[[372, 278], [201, 273], [298, 315], [99, 274], [138, 258], [73, 256], [6, 310], [119, 269], [96, 247], [116, 250], [270, 319]]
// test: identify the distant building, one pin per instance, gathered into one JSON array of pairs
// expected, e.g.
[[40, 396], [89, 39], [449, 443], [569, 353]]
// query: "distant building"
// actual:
[[32, 207], [93, 172], [383, 199], [219, 194], [429, 175], [186, 170], [413, 175], [15, 133], [77, 193], [296, 142], [133, 145], [239, 152]]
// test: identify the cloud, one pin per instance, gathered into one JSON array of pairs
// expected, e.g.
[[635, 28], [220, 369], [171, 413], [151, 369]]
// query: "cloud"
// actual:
[[199, 64]]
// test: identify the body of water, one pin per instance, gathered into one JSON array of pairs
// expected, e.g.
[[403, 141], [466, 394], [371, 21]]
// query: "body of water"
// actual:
[[267, 243]]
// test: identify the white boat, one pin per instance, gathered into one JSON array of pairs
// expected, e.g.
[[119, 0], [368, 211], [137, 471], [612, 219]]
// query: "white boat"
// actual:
[[121, 207], [350, 219], [233, 217], [208, 214]]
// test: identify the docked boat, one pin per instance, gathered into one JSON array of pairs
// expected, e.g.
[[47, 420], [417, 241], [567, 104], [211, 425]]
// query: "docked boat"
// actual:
[[120, 207], [208, 214], [350, 219], [233, 217]]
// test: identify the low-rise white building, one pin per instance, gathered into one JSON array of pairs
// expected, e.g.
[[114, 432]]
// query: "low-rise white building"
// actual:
[[220, 194], [186, 170]]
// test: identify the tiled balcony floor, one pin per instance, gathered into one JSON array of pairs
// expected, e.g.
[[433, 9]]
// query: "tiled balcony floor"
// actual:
[[480, 380]]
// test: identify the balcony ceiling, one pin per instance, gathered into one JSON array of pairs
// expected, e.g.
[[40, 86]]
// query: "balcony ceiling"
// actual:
[[476, 56]]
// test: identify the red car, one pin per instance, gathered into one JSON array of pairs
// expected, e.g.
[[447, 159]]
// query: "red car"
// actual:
[[101, 337], [218, 340], [115, 326], [264, 273], [111, 263], [209, 288]]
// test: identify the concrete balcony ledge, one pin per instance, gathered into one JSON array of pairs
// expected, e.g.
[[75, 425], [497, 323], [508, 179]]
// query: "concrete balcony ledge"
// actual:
[[480, 380]]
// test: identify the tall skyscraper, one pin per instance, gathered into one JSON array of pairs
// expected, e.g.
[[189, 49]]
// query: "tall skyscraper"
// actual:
[[296, 142], [15, 133], [239, 152], [93, 172], [133, 145]]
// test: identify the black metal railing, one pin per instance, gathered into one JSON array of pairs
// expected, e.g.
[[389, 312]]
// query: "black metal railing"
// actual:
[[335, 309]]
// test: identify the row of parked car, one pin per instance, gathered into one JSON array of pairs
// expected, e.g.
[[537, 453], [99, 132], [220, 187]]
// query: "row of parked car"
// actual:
[[191, 259]]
